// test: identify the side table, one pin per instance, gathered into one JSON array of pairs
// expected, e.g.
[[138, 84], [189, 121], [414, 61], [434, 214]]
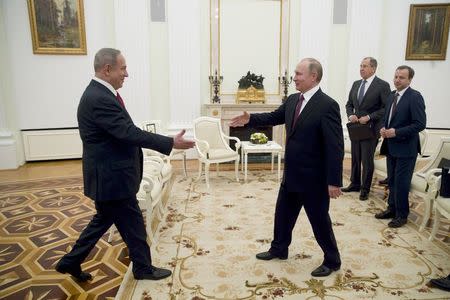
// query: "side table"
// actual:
[[270, 147]]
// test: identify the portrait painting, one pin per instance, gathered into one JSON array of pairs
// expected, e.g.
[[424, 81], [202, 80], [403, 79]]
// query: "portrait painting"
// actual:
[[428, 32], [57, 26]]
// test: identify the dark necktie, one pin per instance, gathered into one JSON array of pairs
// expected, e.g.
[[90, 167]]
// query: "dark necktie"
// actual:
[[120, 100], [361, 91], [393, 107], [297, 109]]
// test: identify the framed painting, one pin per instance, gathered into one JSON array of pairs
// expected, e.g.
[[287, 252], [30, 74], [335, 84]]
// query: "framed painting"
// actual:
[[428, 31], [150, 127], [57, 26]]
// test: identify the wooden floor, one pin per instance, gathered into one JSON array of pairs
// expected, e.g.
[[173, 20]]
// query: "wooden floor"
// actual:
[[52, 169]]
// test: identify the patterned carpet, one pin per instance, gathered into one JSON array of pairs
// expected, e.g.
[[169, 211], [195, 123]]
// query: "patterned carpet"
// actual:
[[209, 240], [39, 221]]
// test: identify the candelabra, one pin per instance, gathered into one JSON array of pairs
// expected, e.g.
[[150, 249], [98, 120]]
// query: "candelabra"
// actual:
[[216, 81], [285, 81]]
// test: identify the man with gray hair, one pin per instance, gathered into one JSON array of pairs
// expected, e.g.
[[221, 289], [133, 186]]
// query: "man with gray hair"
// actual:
[[365, 105], [312, 164], [112, 168]]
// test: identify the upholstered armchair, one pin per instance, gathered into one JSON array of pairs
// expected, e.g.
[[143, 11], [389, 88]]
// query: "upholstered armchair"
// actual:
[[212, 145], [441, 206], [380, 161], [422, 180], [154, 126]]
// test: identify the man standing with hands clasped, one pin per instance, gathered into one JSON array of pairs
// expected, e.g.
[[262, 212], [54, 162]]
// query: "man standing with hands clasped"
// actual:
[[365, 105], [404, 119], [112, 168], [313, 164]]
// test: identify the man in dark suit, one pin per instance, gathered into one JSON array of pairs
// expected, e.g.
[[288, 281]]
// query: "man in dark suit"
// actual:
[[365, 105], [404, 118], [112, 168], [313, 163]]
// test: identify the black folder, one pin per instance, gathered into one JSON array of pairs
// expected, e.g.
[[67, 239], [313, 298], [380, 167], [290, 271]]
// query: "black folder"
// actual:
[[445, 179], [358, 131]]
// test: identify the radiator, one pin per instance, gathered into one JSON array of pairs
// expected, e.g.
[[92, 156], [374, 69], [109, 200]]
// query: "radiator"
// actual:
[[49, 144]]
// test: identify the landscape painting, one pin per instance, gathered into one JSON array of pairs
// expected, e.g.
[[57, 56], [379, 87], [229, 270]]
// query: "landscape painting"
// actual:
[[57, 26]]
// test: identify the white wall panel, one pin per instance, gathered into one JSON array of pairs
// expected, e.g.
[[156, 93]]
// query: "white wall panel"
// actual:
[[47, 88], [315, 29], [365, 36], [184, 63], [132, 31]]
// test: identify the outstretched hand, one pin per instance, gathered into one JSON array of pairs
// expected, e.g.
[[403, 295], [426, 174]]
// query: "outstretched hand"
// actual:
[[241, 120], [179, 142]]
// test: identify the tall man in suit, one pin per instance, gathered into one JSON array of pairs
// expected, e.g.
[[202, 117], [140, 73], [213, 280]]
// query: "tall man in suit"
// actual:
[[365, 104], [112, 168], [313, 163], [404, 119]]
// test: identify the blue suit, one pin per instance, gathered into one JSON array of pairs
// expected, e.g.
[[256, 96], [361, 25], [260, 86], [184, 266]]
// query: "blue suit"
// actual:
[[401, 151]]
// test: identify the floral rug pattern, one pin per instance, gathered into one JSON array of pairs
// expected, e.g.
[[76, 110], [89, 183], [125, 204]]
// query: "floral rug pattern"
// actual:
[[209, 239]]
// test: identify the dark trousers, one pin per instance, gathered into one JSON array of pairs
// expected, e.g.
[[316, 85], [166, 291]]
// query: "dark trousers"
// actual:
[[400, 171], [362, 155], [127, 217], [316, 205]]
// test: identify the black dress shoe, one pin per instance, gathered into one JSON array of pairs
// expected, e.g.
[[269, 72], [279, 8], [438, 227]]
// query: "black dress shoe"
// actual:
[[364, 195], [268, 256], [383, 182], [323, 270], [387, 214], [155, 274], [74, 271], [397, 222], [350, 188], [441, 283]]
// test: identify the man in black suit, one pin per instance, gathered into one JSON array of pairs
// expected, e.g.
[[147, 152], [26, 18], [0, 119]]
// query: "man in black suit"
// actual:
[[404, 118], [313, 163], [365, 104], [112, 168]]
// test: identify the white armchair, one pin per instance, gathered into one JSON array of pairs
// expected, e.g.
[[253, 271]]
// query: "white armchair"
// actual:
[[419, 184], [212, 145], [441, 204], [154, 126], [380, 162]]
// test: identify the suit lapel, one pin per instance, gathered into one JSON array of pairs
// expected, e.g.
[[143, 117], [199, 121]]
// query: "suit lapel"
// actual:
[[403, 102], [370, 90], [356, 102], [309, 107], [290, 110]]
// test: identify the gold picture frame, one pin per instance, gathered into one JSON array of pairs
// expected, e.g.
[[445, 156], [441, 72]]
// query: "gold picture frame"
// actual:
[[57, 26], [428, 31]]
